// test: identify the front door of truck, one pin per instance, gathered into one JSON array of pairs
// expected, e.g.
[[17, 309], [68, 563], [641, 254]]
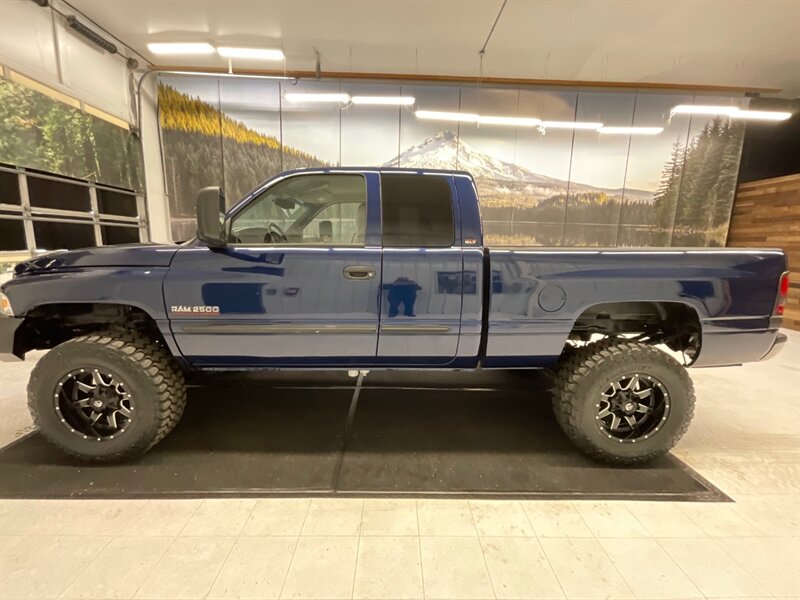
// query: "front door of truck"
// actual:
[[298, 284], [423, 269]]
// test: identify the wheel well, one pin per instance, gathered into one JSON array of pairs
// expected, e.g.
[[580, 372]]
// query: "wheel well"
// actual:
[[673, 324], [48, 325]]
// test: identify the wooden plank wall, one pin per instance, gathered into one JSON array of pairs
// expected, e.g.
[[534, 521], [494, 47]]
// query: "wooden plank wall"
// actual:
[[766, 214]]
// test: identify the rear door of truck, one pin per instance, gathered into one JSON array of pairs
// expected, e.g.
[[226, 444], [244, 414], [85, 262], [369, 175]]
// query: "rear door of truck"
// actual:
[[423, 272]]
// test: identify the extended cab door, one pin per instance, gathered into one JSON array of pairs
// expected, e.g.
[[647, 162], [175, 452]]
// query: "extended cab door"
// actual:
[[298, 284], [422, 269]]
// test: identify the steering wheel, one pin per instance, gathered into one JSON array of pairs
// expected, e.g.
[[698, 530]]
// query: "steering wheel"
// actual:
[[276, 234]]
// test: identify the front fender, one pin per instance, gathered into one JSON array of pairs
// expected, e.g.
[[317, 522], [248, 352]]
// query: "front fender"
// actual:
[[135, 286], [138, 287]]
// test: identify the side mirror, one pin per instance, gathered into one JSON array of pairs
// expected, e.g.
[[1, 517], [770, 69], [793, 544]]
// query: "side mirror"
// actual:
[[210, 205]]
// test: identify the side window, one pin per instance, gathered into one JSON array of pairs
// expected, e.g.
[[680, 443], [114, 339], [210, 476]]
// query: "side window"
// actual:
[[417, 211], [328, 210]]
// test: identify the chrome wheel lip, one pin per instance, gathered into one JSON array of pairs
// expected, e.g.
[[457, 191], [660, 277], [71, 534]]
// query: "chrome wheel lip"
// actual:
[[658, 402], [108, 389]]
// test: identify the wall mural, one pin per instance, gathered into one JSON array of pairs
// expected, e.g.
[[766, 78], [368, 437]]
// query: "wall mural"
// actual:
[[39, 132], [560, 187]]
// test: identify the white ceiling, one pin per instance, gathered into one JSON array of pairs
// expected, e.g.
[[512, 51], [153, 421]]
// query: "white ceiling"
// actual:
[[749, 43]]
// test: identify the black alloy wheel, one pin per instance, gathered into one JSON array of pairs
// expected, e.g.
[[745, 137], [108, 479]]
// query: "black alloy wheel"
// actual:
[[632, 408], [94, 403]]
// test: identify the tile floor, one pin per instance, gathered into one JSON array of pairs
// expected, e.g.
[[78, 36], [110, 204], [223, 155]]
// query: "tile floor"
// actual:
[[745, 439]]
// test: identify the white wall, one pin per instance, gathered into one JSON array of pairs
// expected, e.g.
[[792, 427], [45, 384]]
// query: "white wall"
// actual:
[[155, 189]]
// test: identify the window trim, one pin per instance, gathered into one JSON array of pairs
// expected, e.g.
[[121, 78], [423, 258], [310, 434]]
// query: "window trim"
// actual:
[[239, 208]]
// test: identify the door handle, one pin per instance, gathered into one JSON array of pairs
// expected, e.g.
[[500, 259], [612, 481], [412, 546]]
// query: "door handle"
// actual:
[[360, 272]]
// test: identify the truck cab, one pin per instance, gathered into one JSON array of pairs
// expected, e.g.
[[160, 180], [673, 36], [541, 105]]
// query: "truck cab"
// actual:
[[335, 268]]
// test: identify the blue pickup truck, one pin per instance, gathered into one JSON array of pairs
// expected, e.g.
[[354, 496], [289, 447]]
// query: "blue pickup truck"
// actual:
[[380, 268]]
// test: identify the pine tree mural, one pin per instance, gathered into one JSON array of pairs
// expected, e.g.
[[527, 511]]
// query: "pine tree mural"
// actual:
[[203, 146], [697, 186], [666, 197]]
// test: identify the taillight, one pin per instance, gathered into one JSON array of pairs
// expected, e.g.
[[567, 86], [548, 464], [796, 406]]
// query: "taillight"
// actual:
[[783, 292]]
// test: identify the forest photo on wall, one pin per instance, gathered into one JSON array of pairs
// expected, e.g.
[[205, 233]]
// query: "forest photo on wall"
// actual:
[[550, 187], [42, 133]]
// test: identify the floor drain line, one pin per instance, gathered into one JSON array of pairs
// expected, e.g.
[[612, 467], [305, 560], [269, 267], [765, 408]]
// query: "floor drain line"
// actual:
[[348, 428]]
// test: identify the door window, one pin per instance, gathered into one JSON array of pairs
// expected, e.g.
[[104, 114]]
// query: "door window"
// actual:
[[417, 211], [318, 210]]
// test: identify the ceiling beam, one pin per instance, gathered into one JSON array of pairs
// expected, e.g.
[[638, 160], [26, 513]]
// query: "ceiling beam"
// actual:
[[514, 81]]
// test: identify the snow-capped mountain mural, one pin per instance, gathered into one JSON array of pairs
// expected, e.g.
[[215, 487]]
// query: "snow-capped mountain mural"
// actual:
[[678, 189], [446, 151]]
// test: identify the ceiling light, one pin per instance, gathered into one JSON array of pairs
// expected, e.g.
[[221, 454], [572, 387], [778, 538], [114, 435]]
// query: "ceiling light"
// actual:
[[699, 109], [632, 130], [761, 115], [299, 97], [447, 116], [515, 121], [571, 125], [258, 53], [181, 48], [384, 100], [734, 112]]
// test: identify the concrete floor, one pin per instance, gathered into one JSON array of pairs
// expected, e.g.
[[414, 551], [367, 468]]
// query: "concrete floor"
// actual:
[[745, 439]]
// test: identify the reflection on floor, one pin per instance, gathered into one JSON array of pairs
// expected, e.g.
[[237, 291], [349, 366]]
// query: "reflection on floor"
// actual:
[[745, 439]]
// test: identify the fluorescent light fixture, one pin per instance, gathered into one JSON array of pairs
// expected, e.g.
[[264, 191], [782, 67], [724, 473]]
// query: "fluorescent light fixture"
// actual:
[[384, 100], [299, 97], [181, 48], [632, 130], [447, 116], [761, 115], [514, 121], [734, 112], [257, 53], [571, 125], [475, 118], [700, 109]]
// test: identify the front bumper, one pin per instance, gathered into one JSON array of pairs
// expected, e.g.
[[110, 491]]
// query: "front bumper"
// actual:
[[780, 340], [8, 334]]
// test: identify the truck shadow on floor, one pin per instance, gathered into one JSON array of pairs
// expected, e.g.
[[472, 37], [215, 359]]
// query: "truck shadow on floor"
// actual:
[[410, 433]]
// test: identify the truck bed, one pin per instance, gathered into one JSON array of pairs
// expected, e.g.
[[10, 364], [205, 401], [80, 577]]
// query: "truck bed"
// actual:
[[539, 293]]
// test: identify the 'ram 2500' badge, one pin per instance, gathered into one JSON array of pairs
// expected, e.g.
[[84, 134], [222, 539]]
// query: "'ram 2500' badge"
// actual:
[[194, 310]]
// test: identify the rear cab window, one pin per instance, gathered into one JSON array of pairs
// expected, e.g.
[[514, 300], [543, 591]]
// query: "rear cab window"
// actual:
[[417, 211]]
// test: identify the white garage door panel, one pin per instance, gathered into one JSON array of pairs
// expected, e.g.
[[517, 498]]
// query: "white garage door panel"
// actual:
[[26, 38], [99, 78]]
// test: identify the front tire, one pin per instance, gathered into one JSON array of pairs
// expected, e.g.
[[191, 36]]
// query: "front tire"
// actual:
[[106, 396], [623, 404]]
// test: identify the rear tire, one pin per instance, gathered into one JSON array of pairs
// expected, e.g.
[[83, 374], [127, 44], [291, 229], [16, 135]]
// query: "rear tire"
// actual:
[[107, 396], [624, 404]]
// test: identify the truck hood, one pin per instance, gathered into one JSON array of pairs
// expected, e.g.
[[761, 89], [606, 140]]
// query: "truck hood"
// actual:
[[127, 255]]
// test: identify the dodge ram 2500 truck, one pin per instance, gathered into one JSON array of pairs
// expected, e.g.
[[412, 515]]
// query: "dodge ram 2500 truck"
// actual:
[[380, 268]]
